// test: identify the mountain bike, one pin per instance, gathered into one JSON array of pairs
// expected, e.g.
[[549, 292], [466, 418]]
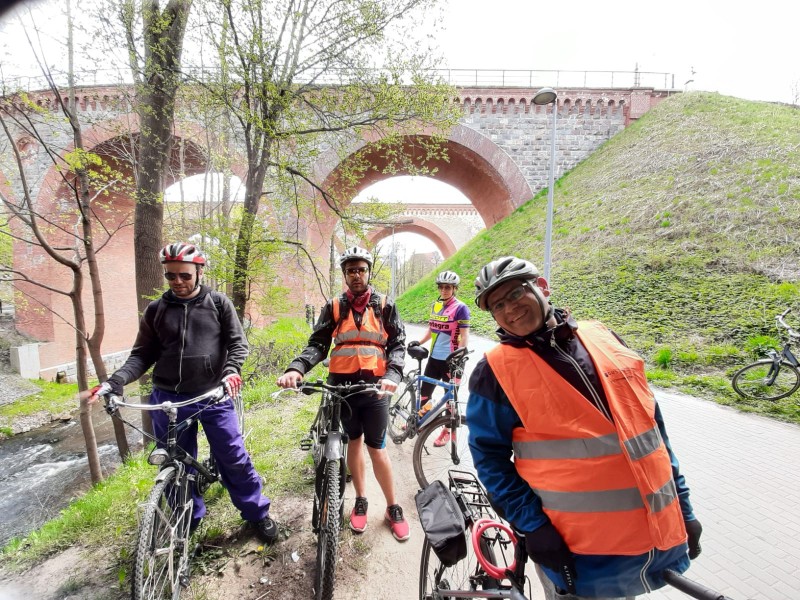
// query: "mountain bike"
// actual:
[[407, 418], [327, 442], [494, 566], [775, 377], [162, 558]]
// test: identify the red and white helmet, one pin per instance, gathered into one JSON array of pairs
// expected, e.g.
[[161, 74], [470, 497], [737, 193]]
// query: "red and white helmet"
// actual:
[[180, 252]]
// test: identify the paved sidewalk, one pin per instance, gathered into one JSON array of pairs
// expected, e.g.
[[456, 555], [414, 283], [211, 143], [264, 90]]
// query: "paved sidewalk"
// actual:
[[744, 474]]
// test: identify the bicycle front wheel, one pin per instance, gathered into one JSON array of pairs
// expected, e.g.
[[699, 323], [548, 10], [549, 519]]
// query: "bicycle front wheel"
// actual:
[[436, 452], [401, 411], [760, 381], [162, 550], [330, 524]]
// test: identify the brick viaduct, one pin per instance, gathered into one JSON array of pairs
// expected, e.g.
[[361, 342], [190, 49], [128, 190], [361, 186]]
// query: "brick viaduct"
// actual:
[[498, 157]]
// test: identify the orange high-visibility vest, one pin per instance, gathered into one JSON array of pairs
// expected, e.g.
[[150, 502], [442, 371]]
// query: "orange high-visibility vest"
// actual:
[[357, 349], [607, 487]]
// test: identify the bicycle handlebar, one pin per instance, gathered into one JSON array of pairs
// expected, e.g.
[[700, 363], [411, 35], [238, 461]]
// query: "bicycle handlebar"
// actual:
[[792, 333], [691, 588], [112, 401], [343, 390]]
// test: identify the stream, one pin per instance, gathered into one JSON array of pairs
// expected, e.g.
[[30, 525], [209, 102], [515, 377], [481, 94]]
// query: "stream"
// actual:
[[43, 470]]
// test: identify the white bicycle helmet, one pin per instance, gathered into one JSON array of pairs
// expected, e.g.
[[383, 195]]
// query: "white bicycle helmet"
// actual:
[[499, 271], [180, 252], [355, 253], [448, 277]]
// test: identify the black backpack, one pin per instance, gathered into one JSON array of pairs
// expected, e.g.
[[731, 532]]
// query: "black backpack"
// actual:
[[443, 522]]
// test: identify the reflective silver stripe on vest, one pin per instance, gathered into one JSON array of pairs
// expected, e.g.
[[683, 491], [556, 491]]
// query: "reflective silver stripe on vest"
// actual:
[[367, 336], [604, 445], [661, 499], [643, 444], [588, 502], [607, 500], [362, 350]]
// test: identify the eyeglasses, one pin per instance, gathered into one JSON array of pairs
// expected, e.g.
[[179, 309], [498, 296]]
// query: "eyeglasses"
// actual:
[[512, 296], [356, 270], [445, 286], [173, 276]]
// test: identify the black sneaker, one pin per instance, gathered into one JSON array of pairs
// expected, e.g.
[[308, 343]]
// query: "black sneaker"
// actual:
[[267, 530]]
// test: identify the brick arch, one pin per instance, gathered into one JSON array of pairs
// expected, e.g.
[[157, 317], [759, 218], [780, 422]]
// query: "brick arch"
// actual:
[[476, 166], [422, 227]]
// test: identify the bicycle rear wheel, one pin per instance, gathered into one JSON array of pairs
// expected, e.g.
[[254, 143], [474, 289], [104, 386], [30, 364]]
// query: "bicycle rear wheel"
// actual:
[[760, 382], [437, 582], [432, 462], [162, 551], [330, 525], [401, 410]]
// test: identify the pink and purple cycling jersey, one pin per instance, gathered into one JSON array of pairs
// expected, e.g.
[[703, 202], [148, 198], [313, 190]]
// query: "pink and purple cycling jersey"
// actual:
[[446, 322]]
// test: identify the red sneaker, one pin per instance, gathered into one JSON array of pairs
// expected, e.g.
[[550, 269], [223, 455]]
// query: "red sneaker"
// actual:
[[399, 526], [358, 516], [443, 439]]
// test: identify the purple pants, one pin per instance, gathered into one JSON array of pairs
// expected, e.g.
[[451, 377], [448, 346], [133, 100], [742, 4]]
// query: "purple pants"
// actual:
[[221, 427]]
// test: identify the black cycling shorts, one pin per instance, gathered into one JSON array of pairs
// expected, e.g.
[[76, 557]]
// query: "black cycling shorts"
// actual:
[[365, 414]]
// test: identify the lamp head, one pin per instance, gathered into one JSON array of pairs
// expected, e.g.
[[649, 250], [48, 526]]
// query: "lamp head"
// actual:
[[545, 96]]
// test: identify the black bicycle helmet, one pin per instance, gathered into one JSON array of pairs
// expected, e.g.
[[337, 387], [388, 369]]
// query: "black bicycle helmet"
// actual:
[[355, 253], [499, 271], [448, 277]]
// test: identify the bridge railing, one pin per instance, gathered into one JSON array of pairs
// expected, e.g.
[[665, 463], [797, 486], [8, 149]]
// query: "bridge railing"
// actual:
[[462, 78]]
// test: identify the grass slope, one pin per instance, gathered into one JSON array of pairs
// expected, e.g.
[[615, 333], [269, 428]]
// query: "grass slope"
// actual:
[[680, 233]]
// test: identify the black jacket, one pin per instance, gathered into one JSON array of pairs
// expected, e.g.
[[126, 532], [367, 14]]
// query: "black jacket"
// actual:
[[319, 344], [193, 344]]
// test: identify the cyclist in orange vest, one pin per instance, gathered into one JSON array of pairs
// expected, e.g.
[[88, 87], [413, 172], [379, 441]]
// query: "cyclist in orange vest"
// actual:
[[368, 345], [593, 484]]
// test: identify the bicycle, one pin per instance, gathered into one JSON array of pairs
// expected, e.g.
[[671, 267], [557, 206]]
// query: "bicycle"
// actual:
[[772, 378], [327, 442], [407, 419], [162, 559], [487, 570]]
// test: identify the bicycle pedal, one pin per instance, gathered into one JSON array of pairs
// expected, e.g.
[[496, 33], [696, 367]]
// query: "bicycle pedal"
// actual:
[[306, 444], [184, 581]]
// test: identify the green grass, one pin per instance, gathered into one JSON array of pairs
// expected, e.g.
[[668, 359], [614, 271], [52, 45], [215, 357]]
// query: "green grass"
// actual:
[[53, 398], [679, 233]]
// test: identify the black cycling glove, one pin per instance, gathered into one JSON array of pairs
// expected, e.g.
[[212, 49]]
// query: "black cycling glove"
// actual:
[[546, 547], [694, 530]]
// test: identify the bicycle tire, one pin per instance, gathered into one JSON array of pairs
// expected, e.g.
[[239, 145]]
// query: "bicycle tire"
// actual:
[[751, 381], [462, 576], [430, 462], [401, 411], [330, 526], [162, 550]]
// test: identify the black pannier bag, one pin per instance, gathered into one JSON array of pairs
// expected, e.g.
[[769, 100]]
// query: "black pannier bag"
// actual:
[[443, 522]]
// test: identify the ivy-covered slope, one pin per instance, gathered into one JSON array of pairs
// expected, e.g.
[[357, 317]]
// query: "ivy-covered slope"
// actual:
[[682, 233]]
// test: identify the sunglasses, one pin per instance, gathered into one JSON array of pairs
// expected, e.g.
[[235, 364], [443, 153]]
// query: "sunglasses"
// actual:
[[356, 270], [173, 276]]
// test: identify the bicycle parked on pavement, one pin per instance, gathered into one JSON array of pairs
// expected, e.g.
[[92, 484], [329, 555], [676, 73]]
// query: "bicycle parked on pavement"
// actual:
[[327, 442], [162, 557], [494, 565], [774, 377], [408, 419]]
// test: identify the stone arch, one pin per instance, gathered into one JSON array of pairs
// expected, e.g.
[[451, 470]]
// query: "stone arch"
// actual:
[[422, 227]]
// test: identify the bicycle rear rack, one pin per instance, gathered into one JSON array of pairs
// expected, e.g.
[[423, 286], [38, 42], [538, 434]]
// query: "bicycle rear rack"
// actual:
[[470, 495]]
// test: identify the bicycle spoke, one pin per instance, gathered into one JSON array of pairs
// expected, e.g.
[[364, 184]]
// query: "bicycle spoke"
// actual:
[[760, 381], [432, 462]]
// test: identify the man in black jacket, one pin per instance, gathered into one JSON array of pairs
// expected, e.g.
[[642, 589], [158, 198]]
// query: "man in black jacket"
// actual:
[[195, 340]]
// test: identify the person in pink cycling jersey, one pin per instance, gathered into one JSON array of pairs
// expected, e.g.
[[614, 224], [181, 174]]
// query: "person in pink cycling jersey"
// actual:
[[448, 330]]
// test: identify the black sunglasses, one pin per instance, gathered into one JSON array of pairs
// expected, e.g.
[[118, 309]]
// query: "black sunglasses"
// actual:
[[173, 276], [356, 270]]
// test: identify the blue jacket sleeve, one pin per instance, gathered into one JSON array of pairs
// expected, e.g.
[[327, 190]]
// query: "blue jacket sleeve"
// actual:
[[490, 428], [680, 481]]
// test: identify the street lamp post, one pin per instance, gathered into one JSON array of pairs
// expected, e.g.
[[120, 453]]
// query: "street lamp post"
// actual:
[[544, 97]]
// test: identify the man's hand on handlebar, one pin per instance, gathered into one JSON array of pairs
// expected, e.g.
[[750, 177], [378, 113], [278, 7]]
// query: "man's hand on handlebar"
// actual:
[[110, 386], [290, 379], [388, 387]]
